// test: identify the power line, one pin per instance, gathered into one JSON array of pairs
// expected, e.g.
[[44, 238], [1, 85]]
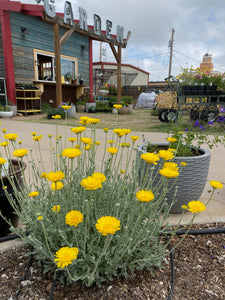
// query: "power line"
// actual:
[[137, 58]]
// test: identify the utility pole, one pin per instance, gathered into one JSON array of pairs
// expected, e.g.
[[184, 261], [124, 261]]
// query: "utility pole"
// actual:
[[171, 52]]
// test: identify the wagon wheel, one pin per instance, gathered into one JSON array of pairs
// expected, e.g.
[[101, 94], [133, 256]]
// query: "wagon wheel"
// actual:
[[162, 115], [194, 114], [171, 115]]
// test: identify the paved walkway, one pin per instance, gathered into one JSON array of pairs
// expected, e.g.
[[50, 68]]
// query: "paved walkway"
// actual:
[[215, 211]]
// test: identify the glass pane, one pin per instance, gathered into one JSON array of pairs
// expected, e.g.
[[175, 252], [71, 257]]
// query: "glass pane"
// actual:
[[68, 69]]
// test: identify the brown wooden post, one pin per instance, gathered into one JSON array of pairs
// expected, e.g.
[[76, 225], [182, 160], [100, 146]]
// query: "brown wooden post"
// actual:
[[57, 65], [119, 75]]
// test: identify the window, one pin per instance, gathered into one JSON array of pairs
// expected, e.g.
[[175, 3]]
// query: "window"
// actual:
[[45, 66]]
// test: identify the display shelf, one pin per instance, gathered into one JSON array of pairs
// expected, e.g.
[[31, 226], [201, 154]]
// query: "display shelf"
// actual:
[[28, 100]]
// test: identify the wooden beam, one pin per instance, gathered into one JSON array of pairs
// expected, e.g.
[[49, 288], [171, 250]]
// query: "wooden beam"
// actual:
[[119, 75], [66, 35], [114, 52], [57, 65]]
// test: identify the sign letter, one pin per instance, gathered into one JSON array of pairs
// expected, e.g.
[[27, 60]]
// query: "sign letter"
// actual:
[[49, 8], [119, 34], [68, 14], [83, 19], [97, 25], [108, 29]]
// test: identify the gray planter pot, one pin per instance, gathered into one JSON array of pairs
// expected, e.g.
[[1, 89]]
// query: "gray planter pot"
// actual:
[[89, 105], [191, 180]]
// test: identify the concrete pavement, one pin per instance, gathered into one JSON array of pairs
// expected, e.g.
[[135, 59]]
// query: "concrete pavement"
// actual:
[[215, 211]]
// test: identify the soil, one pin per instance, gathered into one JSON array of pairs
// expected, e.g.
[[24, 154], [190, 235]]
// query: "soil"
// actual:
[[199, 274]]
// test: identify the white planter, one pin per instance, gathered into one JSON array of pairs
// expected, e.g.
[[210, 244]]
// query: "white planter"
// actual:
[[6, 114], [89, 105], [13, 108], [72, 111]]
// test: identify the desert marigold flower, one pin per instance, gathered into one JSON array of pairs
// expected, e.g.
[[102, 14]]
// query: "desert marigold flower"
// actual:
[[86, 140], [97, 143], [11, 136], [107, 225], [126, 131], [216, 184], [4, 130], [44, 175], [50, 135], [74, 217], [33, 133], [37, 138], [145, 196], [166, 154], [122, 171], [110, 142], [58, 185], [106, 129], [183, 163], [55, 176], [150, 158], [4, 144], [39, 218], [33, 194], [91, 183], [117, 106], [2, 161], [65, 256], [171, 139], [112, 150], [169, 173], [195, 206], [87, 147], [56, 117], [66, 107], [118, 131], [171, 165], [134, 138], [79, 129], [93, 121], [71, 152], [56, 208], [20, 152], [72, 139], [99, 176]]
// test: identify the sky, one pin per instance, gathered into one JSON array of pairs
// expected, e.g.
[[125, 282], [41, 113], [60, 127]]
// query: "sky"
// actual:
[[199, 28]]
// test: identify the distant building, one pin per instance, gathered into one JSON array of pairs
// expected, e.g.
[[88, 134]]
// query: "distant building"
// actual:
[[206, 63]]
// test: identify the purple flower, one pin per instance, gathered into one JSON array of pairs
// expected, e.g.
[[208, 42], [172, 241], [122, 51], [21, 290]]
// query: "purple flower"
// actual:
[[196, 123], [186, 129], [221, 119], [210, 123], [201, 127]]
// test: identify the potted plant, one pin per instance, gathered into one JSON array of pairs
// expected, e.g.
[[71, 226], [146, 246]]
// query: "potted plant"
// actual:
[[12, 107], [81, 81], [5, 112], [192, 161]]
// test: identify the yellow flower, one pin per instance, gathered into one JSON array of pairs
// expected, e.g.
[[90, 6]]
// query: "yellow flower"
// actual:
[[171, 165], [56, 208], [145, 196], [20, 152], [33, 133], [2, 161], [91, 183], [99, 176], [71, 152], [107, 225], [72, 139], [122, 171], [166, 154], [119, 132], [65, 256], [117, 106], [106, 129], [33, 194], [66, 107], [4, 144], [110, 142], [169, 173], [93, 121], [55, 176], [150, 158], [50, 135], [39, 218], [194, 206], [97, 143], [216, 184], [134, 138], [112, 150], [37, 138], [86, 140], [4, 130], [74, 217], [77, 130], [44, 175], [11, 136], [183, 163], [56, 117], [171, 139], [85, 119], [55, 186]]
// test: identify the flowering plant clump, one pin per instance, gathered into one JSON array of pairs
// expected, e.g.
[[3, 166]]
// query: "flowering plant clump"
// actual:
[[92, 220]]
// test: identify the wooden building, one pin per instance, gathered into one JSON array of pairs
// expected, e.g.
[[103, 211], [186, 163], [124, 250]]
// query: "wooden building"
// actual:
[[27, 54]]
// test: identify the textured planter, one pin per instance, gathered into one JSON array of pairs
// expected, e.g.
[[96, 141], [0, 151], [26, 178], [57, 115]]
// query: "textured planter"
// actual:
[[124, 110], [72, 111], [5, 207], [191, 180], [12, 108], [89, 105], [6, 114], [80, 107]]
